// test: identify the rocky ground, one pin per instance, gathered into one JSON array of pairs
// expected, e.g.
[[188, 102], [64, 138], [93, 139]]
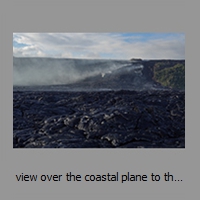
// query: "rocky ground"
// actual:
[[104, 119]]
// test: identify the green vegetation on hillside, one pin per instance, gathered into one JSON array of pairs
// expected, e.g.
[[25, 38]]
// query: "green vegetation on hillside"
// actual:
[[172, 77]]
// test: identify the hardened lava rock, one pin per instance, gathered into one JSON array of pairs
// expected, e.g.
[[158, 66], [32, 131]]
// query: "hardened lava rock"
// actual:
[[101, 119]]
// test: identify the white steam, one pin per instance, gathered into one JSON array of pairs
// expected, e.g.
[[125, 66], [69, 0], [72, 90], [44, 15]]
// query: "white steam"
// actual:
[[48, 71]]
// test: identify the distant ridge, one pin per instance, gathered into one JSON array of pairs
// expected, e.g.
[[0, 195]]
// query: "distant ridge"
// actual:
[[98, 74]]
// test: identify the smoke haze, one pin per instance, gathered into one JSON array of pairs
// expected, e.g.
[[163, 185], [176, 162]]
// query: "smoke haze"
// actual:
[[49, 71]]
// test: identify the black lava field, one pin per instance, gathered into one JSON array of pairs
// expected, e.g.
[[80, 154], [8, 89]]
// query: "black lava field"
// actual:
[[117, 108]]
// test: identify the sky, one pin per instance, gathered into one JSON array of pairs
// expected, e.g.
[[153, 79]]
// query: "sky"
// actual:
[[100, 45]]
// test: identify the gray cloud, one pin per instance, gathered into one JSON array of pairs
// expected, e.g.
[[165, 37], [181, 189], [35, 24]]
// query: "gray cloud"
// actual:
[[98, 45]]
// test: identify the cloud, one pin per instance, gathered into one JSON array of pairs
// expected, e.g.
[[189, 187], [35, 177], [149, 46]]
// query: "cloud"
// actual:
[[28, 51], [100, 45]]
